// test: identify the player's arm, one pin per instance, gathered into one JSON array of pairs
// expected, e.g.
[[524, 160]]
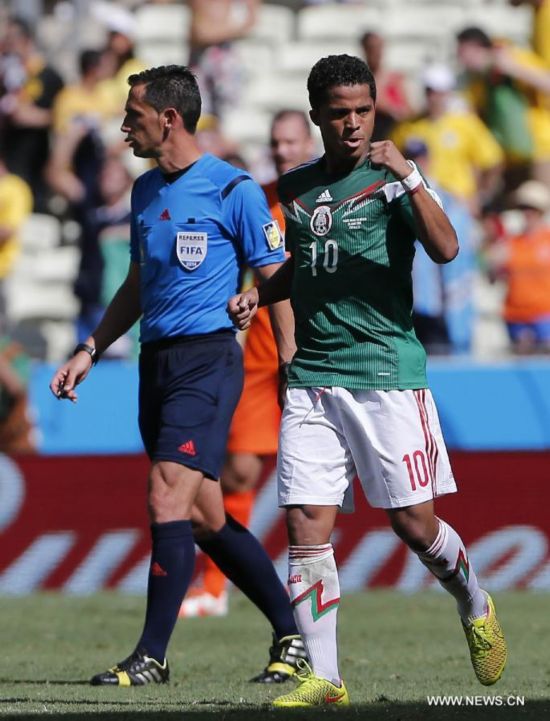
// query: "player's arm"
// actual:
[[434, 229], [282, 318], [120, 315]]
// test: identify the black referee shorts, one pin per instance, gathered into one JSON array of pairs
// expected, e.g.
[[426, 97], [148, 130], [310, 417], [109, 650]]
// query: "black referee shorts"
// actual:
[[188, 390]]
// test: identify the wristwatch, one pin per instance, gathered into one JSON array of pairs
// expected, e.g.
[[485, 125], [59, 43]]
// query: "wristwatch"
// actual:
[[94, 355]]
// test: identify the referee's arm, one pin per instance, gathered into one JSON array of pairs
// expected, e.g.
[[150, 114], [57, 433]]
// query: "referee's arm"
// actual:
[[121, 313]]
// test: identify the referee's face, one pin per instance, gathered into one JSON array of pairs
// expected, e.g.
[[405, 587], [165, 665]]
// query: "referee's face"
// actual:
[[346, 122], [142, 124]]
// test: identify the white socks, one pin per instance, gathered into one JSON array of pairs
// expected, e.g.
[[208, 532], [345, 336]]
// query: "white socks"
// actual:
[[315, 596], [447, 560]]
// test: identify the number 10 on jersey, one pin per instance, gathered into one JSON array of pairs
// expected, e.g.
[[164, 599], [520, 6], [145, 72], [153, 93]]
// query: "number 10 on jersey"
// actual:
[[330, 256]]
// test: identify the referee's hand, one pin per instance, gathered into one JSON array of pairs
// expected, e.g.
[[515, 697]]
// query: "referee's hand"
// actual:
[[243, 307], [69, 376]]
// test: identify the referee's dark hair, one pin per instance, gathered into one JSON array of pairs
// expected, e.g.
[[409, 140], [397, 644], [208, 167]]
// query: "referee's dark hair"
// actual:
[[171, 86], [337, 70]]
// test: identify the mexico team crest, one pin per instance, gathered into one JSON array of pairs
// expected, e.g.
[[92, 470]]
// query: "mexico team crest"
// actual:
[[321, 220], [191, 248]]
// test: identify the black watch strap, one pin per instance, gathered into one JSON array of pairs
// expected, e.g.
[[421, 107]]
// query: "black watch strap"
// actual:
[[94, 355]]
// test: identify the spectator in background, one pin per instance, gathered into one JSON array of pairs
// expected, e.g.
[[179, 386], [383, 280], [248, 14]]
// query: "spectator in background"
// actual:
[[540, 40], [443, 311], [15, 206], [87, 101], [104, 253], [392, 104], [120, 54], [78, 154], [211, 139], [30, 87], [510, 89], [523, 260], [255, 426], [214, 25], [79, 113], [465, 159]]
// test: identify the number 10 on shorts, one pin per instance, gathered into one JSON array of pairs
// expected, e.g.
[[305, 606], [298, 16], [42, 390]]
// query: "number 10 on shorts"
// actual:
[[417, 469]]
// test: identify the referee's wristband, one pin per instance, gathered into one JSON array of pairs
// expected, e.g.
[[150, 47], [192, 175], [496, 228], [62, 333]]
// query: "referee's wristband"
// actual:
[[413, 181], [90, 350]]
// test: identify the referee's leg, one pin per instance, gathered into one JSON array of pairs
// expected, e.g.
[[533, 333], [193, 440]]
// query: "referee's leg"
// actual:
[[172, 491]]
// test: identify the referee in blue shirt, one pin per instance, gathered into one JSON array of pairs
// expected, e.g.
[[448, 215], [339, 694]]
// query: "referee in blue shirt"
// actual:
[[196, 222]]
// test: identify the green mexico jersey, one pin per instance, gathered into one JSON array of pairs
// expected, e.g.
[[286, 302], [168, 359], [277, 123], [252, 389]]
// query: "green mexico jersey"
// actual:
[[352, 239]]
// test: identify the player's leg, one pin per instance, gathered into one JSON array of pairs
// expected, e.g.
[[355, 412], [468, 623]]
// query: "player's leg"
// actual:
[[245, 562], [240, 475], [314, 470], [442, 551], [406, 468], [313, 584], [239, 478]]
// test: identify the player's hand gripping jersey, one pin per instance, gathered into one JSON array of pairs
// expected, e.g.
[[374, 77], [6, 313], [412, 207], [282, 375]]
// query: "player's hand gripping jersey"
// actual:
[[352, 239]]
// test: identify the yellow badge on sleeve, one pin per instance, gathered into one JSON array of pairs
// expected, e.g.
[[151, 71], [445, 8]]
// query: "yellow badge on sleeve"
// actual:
[[273, 235]]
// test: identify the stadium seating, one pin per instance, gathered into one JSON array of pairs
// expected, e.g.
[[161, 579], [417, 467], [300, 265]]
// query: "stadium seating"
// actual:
[[275, 24], [39, 294], [338, 21], [161, 35]]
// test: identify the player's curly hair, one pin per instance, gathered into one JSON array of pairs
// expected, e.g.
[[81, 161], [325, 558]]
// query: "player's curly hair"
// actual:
[[337, 70], [171, 86]]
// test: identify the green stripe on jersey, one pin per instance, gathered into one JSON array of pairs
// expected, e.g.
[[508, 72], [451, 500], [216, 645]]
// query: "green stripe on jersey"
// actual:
[[352, 289]]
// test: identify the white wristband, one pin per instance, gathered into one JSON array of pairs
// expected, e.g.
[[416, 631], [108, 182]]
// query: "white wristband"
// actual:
[[412, 181]]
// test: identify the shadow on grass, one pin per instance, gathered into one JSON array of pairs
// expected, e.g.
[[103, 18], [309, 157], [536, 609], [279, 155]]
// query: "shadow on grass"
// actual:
[[387, 711], [41, 682]]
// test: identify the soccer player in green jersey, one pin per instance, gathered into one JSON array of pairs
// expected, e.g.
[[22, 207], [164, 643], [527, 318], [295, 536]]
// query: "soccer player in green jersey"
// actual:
[[357, 399]]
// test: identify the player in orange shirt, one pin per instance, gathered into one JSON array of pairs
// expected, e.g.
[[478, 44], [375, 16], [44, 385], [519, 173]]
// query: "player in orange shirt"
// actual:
[[255, 426]]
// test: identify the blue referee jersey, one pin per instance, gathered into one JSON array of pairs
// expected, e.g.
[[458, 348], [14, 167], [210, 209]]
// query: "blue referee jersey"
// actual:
[[192, 237]]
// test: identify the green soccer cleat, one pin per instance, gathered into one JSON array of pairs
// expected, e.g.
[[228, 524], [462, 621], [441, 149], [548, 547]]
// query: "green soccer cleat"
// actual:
[[312, 691], [136, 670], [488, 650], [284, 656]]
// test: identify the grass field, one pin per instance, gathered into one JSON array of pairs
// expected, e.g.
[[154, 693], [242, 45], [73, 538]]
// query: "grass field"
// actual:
[[395, 651]]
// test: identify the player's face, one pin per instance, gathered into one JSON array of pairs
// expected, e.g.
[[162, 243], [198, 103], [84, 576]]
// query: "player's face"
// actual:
[[346, 122], [291, 144], [142, 124]]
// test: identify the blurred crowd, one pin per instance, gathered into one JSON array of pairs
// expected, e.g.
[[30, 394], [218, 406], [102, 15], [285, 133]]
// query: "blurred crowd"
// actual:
[[477, 127]]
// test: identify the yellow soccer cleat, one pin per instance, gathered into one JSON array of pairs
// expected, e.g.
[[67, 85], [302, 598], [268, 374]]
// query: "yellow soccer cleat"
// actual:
[[488, 650], [312, 691]]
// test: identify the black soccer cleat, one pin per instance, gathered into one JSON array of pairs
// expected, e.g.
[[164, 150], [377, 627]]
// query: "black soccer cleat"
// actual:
[[138, 669], [283, 659]]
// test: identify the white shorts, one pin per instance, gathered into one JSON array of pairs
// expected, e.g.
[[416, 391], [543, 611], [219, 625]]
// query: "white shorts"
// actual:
[[391, 440]]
